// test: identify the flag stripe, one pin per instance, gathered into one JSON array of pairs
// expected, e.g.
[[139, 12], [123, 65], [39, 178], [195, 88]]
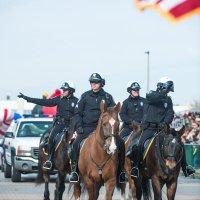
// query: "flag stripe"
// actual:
[[174, 10], [185, 7]]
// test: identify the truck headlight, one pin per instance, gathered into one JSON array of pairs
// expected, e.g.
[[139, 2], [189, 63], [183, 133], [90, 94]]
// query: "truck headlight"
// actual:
[[23, 151]]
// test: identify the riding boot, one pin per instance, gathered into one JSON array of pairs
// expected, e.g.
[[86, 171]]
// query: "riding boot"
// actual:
[[48, 164], [121, 156], [74, 177], [135, 163], [187, 169]]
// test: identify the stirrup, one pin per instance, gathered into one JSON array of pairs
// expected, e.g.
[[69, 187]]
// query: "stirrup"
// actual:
[[45, 166], [135, 172], [122, 177], [72, 177]]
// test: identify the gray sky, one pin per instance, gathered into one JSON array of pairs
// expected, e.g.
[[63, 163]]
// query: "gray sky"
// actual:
[[46, 42]]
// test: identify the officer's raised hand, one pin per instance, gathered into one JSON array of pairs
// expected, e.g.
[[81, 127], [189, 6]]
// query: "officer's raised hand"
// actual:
[[21, 96]]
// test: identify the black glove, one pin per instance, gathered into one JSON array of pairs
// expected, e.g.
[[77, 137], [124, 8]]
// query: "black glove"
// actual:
[[21, 96], [163, 126]]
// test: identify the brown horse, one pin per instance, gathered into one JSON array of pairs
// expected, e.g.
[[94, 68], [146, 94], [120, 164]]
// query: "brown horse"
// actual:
[[132, 188], [162, 165], [61, 164], [98, 160]]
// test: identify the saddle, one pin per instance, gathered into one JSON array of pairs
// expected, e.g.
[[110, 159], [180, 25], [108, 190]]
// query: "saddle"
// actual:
[[147, 146], [126, 137], [56, 141], [133, 144], [81, 144]]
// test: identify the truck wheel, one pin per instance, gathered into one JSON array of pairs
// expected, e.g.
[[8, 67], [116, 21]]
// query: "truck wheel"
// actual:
[[15, 175], [7, 170]]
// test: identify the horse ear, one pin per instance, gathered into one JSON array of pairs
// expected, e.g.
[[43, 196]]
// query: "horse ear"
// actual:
[[117, 107], [136, 126], [181, 131], [103, 106]]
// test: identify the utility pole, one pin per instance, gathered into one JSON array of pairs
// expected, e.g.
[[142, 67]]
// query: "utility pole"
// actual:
[[148, 54]]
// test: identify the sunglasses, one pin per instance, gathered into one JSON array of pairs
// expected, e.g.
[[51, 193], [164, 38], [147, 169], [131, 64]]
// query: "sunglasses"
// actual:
[[95, 82]]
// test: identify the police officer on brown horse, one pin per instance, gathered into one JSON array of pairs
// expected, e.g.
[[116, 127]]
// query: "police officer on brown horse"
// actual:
[[66, 108], [132, 109], [158, 115], [89, 113]]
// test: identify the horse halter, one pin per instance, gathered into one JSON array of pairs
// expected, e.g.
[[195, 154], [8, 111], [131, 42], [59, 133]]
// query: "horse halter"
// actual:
[[109, 138]]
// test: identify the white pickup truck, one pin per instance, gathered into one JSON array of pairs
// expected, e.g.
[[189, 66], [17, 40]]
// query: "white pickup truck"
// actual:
[[21, 146]]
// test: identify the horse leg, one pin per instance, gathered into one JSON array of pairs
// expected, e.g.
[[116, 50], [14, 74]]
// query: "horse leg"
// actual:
[[157, 187], [132, 189], [96, 190], [46, 190], [171, 189], [60, 185], [90, 187], [123, 188], [77, 191], [110, 186]]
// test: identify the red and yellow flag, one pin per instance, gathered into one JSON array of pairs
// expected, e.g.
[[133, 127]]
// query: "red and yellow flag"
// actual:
[[173, 10]]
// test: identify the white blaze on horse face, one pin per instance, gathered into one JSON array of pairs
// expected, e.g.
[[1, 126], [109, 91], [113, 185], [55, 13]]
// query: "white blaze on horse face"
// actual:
[[112, 122], [112, 146]]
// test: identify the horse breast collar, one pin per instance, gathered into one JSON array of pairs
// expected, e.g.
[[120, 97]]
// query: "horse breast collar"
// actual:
[[101, 166]]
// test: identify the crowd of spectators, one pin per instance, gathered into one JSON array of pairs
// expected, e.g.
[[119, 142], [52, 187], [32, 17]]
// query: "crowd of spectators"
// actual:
[[191, 121]]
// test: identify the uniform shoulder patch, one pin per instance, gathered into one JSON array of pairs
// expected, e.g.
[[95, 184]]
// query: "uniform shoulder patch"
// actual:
[[107, 95]]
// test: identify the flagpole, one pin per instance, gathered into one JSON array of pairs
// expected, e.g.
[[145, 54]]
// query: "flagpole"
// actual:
[[148, 69]]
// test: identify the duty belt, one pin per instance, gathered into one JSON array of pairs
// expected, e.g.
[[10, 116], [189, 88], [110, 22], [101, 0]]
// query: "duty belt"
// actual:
[[153, 125]]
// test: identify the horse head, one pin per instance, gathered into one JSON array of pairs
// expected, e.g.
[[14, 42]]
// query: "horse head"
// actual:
[[109, 126], [137, 129], [172, 149]]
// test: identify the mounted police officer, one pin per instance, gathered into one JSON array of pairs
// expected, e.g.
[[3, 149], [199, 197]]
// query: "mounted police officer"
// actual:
[[132, 109], [89, 113], [158, 114], [66, 108]]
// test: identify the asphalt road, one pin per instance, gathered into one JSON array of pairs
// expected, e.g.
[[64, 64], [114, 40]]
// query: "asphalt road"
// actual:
[[188, 189]]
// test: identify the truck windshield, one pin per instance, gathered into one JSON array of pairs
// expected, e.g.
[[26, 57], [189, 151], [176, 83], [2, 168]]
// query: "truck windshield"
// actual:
[[33, 128]]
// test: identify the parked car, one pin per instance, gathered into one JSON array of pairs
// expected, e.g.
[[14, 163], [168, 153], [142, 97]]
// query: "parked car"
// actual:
[[21, 146], [1, 153]]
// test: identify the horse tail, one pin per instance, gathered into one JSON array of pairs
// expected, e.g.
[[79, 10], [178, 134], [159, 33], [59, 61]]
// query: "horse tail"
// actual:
[[146, 190], [40, 178]]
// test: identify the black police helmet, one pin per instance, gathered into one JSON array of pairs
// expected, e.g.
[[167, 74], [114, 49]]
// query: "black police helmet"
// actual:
[[134, 86], [96, 78], [165, 84], [68, 86]]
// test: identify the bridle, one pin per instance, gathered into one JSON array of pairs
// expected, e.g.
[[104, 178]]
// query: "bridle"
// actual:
[[170, 155], [161, 158], [105, 148]]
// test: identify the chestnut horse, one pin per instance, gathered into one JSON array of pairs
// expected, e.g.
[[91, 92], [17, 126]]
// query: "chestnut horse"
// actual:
[[131, 184], [98, 160], [162, 165], [61, 163]]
